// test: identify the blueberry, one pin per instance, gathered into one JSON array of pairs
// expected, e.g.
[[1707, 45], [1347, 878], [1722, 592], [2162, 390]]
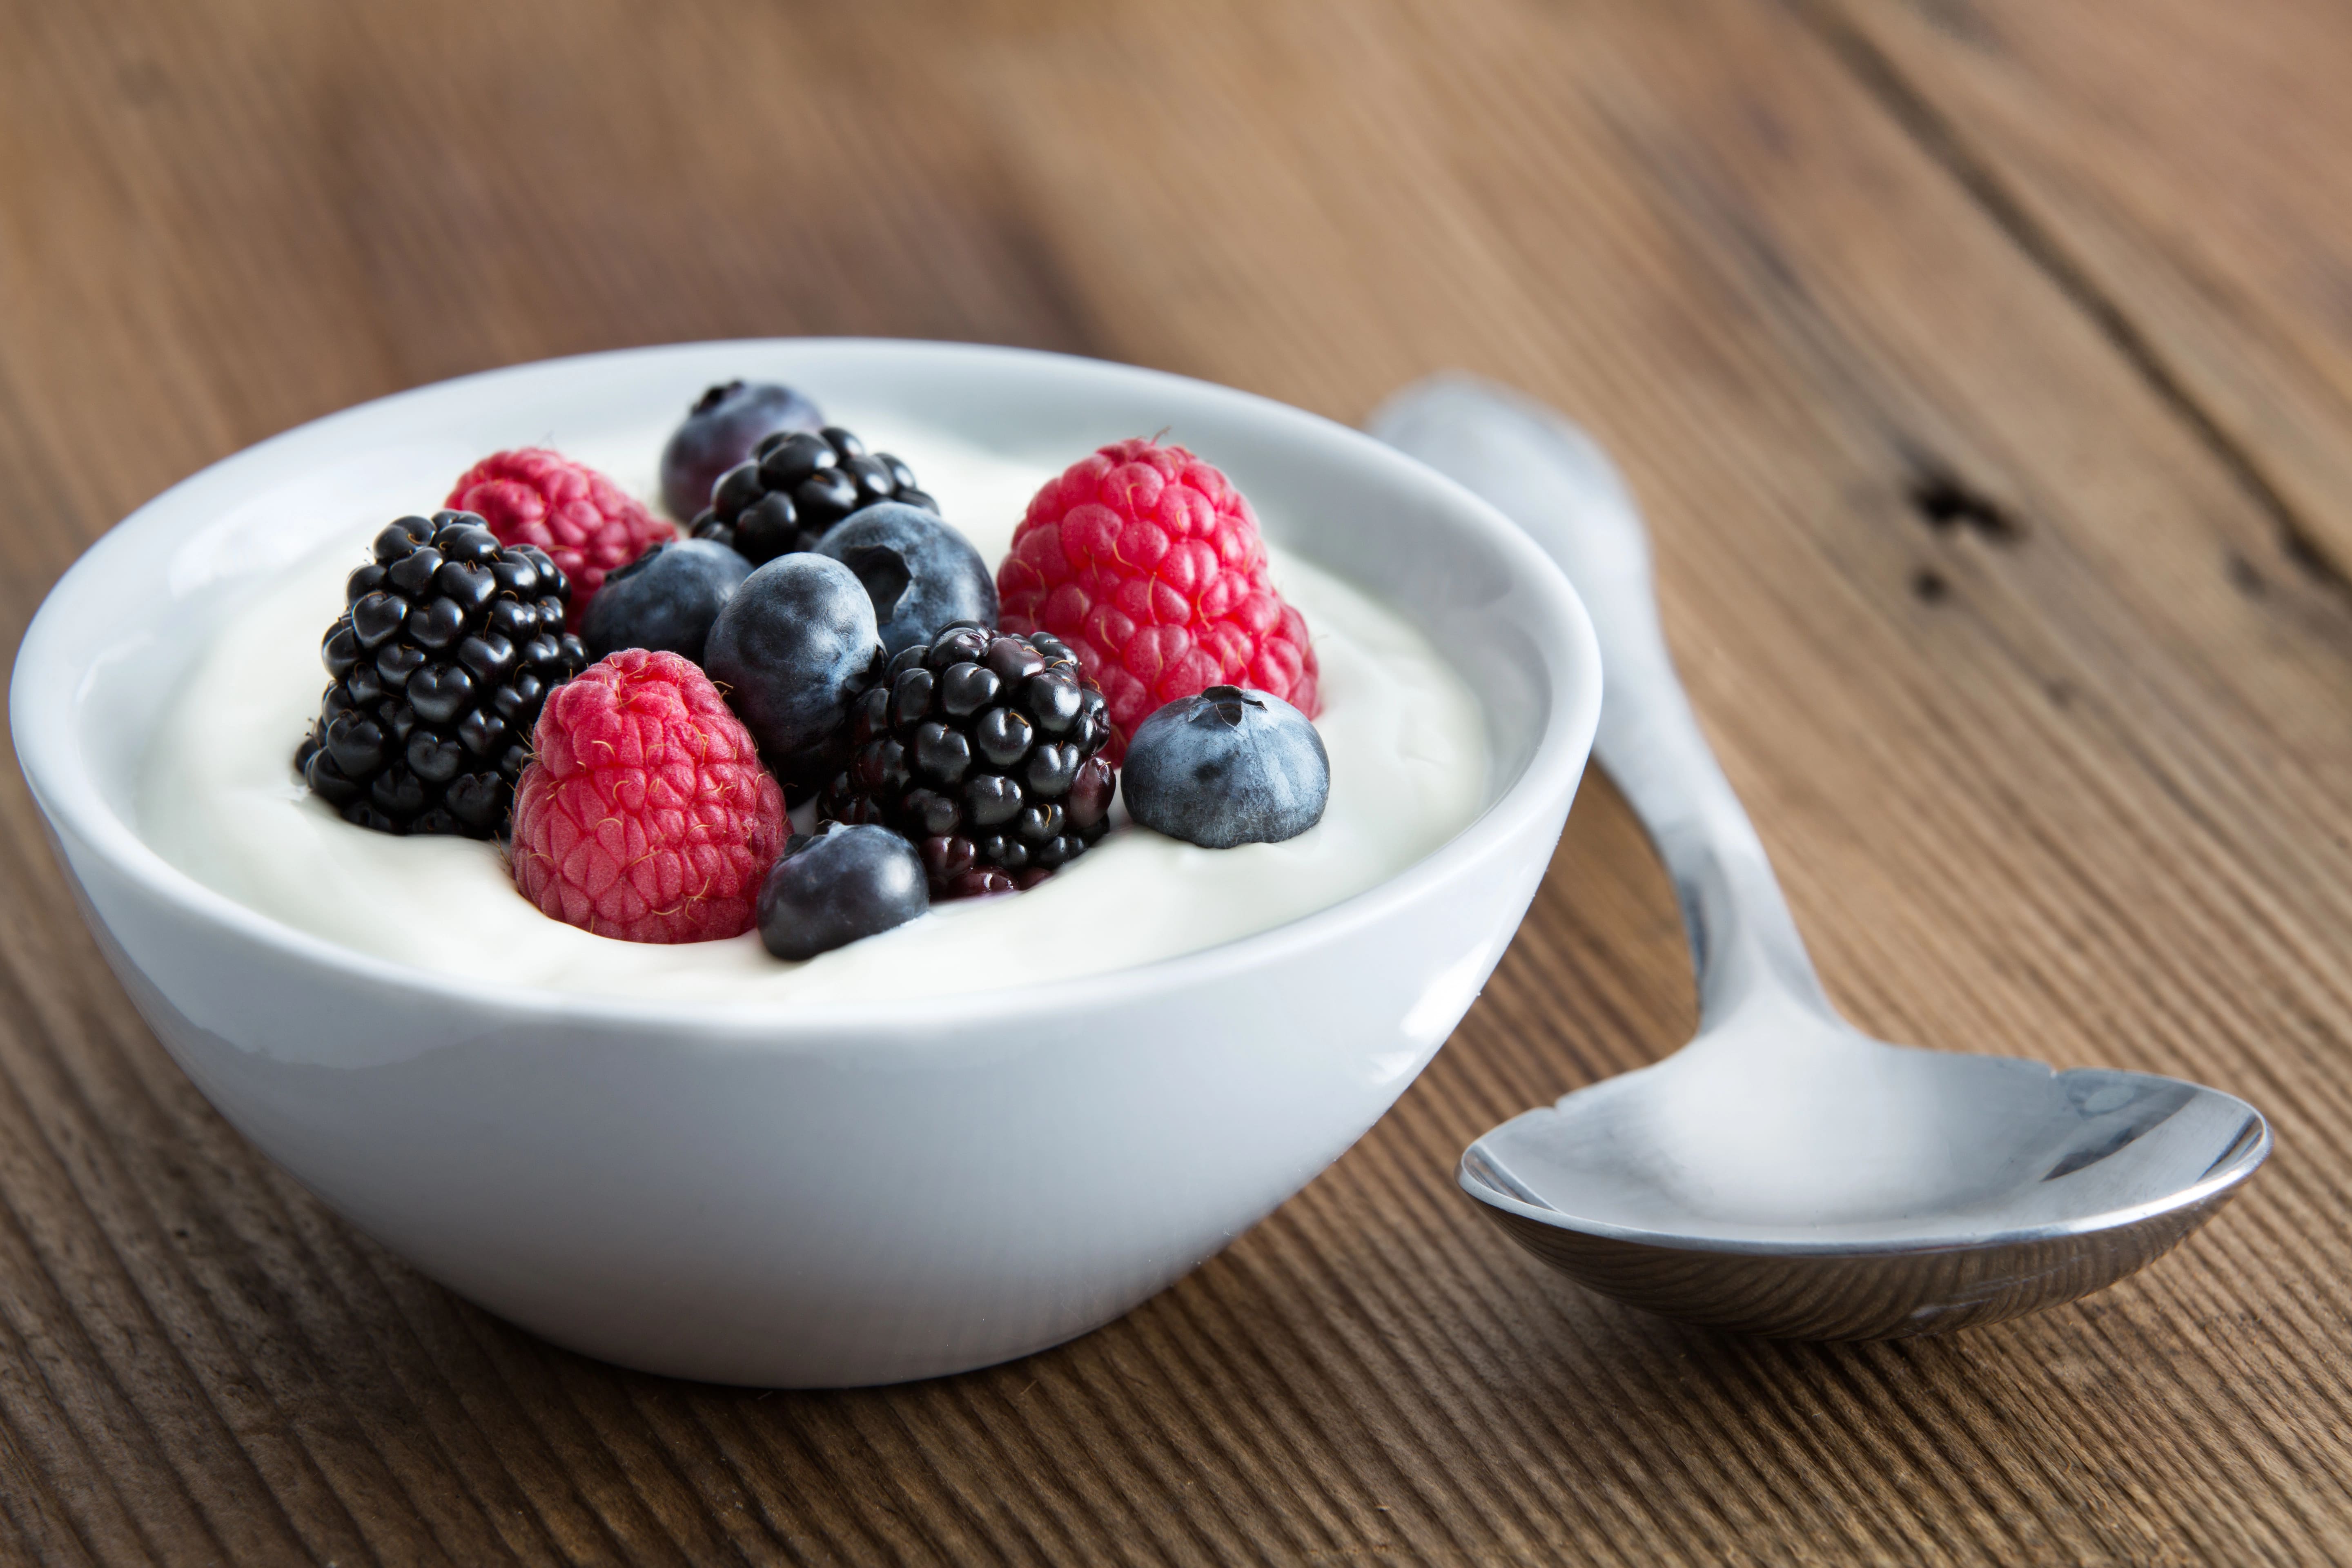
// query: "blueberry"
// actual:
[[793, 648], [664, 599], [832, 887], [719, 432], [922, 575], [1227, 767]]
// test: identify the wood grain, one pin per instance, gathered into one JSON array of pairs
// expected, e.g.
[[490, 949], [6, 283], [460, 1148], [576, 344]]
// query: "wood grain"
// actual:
[[2182, 169], [1996, 548]]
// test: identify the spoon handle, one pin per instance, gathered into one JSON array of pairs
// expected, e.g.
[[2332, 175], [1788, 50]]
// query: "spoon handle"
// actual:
[[1556, 483]]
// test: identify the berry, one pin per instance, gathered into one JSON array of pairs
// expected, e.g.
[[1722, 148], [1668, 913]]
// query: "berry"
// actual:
[[664, 599], [1227, 767], [922, 575], [1147, 563], [532, 496], [793, 648], [835, 887], [796, 486], [981, 747], [719, 432], [448, 645], [646, 814]]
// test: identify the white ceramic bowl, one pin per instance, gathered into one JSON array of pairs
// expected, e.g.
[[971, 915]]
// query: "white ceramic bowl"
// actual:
[[813, 1195]]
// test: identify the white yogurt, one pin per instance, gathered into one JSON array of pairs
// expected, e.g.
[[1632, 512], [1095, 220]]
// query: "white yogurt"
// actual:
[[220, 800]]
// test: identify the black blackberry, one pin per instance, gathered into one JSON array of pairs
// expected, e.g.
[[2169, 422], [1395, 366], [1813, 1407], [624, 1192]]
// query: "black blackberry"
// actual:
[[981, 747], [795, 487], [448, 646]]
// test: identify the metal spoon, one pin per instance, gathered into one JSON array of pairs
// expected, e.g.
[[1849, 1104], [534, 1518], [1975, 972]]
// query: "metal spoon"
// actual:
[[1784, 1174]]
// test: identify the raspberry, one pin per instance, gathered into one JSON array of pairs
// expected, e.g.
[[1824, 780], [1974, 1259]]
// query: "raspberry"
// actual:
[[645, 814], [1147, 561], [584, 520]]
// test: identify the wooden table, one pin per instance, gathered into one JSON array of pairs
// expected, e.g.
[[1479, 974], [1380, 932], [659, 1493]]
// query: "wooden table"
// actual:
[[1986, 368]]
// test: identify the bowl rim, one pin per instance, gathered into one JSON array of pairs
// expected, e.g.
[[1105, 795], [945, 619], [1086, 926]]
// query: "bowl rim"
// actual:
[[61, 781]]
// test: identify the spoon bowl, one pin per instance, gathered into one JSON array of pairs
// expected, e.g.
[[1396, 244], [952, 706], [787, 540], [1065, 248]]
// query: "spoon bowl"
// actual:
[[1794, 1177], [1784, 1174]]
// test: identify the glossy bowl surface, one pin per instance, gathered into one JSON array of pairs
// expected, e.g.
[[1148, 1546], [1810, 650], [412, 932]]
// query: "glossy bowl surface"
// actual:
[[832, 1193]]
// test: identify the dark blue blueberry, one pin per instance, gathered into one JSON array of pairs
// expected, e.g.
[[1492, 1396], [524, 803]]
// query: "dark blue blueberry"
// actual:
[[719, 432], [922, 575], [832, 888], [794, 648], [664, 599], [1226, 767]]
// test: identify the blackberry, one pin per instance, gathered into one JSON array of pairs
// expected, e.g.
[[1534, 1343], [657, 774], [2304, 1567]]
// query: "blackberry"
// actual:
[[448, 646], [797, 485], [981, 747]]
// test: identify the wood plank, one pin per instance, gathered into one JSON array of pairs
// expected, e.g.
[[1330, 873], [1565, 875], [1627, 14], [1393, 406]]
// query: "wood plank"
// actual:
[[2029, 695], [2183, 165]]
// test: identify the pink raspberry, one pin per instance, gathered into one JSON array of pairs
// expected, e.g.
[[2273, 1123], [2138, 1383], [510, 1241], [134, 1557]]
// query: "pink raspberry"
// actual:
[[582, 519], [645, 814], [1147, 561]]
